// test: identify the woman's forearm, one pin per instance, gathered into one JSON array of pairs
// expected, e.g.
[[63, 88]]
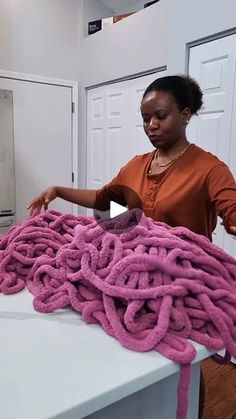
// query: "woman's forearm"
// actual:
[[83, 197]]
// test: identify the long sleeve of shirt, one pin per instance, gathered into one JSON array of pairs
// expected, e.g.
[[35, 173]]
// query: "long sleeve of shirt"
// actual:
[[191, 192], [222, 192]]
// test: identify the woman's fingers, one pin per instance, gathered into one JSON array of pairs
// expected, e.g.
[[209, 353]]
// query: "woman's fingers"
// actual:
[[34, 206], [45, 204], [31, 204], [37, 203], [43, 200]]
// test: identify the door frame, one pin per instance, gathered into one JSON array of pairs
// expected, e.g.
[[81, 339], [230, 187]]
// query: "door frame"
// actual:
[[73, 85]]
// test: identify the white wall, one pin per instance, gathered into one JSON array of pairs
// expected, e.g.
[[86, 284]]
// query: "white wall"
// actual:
[[138, 5], [132, 45], [190, 21], [40, 37]]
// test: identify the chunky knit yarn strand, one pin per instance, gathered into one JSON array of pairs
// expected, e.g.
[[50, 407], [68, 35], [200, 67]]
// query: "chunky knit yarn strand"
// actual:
[[152, 287]]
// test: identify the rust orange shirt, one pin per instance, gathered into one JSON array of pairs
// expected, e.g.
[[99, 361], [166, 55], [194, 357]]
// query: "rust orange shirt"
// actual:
[[191, 192]]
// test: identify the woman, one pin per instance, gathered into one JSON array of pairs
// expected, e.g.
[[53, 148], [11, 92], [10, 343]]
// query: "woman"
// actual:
[[177, 183]]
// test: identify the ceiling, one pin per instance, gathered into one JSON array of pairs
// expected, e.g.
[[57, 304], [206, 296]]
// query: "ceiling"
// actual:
[[117, 5]]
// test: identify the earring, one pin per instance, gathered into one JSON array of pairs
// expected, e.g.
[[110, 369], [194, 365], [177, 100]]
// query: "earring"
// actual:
[[187, 122]]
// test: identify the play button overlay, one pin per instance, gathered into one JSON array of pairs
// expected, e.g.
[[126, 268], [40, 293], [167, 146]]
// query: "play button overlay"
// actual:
[[125, 209], [116, 209]]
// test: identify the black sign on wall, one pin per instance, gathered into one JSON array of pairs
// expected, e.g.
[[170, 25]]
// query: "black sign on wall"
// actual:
[[150, 3], [94, 26]]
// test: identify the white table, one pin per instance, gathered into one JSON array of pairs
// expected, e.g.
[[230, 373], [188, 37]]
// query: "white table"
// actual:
[[56, 366]]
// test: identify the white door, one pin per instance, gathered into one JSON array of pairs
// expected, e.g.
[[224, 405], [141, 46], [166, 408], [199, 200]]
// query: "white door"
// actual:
[[114, 128], [42, 140], [213, 65]]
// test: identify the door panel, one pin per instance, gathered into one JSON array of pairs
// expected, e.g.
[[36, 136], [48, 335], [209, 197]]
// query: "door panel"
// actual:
[[95, 139]]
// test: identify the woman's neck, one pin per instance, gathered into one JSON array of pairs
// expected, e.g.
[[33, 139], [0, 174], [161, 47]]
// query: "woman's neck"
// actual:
[[176, 148]]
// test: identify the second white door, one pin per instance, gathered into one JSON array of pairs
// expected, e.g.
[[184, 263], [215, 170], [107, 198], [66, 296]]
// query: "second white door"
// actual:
[[213, 65]]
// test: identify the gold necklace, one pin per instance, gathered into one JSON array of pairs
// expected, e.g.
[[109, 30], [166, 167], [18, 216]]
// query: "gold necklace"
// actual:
[[170, 161]]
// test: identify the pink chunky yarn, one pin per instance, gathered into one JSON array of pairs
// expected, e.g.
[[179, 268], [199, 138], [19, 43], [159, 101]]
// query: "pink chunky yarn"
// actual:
[[152, 287]]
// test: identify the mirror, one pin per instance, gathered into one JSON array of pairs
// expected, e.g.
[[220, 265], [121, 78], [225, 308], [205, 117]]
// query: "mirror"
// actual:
[[7, 167]]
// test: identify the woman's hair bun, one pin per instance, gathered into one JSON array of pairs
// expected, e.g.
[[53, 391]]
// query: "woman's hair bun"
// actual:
[[196, 94]]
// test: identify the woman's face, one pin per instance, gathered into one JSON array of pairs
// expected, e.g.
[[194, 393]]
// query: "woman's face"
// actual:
[[163, 122]]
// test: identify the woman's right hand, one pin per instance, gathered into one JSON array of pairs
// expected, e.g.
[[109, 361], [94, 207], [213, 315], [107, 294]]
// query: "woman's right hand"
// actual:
[[43, 200]]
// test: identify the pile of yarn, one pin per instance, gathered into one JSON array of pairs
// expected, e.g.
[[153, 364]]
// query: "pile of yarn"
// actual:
[[151, 286]]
